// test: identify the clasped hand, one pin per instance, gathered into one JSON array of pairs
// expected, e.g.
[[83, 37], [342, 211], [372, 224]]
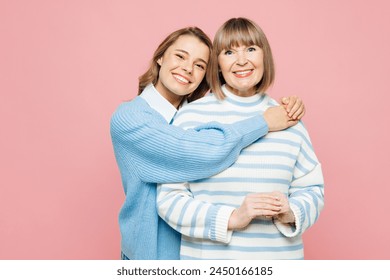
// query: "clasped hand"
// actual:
[[274, 204]]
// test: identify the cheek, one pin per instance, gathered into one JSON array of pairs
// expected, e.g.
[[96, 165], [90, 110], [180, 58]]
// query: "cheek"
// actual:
[[224, 70], [223, 63], [199, 78], [261, 63], [163, 74], [225, 76], [169, 64], [262, 72]]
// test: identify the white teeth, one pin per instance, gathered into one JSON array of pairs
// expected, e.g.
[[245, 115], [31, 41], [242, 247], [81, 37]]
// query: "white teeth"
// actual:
[[180, 78], [243, 72]]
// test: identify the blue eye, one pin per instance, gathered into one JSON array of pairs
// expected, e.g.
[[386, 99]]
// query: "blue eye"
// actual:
[[251, 49], [228, 52]]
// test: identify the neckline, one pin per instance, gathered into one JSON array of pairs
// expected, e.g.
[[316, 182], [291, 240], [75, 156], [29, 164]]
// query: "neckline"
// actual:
[[249, 99]]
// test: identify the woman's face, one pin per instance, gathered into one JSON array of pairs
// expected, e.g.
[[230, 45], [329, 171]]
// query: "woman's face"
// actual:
[[183, 67], [242, 68]]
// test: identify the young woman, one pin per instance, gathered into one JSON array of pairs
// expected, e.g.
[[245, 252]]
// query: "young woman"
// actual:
[[259, 207], [149, 150]]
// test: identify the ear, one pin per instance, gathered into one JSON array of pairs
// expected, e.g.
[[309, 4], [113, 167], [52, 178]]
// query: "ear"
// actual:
[[159, 61]]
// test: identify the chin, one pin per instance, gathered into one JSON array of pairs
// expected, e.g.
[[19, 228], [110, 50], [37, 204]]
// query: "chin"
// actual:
[[180, 93]]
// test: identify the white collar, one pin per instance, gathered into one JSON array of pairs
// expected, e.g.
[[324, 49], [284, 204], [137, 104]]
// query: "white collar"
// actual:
[[158, 102]]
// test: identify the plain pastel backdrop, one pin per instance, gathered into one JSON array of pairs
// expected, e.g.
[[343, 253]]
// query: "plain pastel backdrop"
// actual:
[[66, 65]]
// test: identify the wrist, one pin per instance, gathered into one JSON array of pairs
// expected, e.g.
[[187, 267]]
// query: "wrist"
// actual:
[[231, 222], [286, 218], [267, 120], [290, 217]]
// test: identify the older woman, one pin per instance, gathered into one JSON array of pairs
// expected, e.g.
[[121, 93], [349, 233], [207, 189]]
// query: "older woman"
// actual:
[[259, 207]]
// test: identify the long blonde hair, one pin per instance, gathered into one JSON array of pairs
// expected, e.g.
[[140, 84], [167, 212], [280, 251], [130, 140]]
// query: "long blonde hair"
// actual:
[[233, 33], [152, 74]]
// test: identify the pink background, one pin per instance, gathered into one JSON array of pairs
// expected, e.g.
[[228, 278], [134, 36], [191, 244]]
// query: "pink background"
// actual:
[[66, 65]]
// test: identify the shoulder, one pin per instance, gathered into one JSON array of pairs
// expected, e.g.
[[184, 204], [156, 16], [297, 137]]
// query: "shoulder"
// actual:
[[196, 113], [134, 112], [206, 100], [198, 105], [136, 104], [133, 107], [299, 128], [299, 133], [296, 133], [270, 101]]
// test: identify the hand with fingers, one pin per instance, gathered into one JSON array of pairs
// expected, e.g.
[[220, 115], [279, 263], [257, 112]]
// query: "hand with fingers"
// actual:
[[277, 118], [254, 205], [294, 107], [285, 215]]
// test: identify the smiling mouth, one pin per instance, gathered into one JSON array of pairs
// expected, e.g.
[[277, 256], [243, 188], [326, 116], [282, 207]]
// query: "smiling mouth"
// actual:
[[243, 74], [181, 79]]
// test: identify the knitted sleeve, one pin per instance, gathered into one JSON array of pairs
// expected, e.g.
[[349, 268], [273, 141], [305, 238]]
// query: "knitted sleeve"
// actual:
[[162, 153], [191, 217], [306, 192]]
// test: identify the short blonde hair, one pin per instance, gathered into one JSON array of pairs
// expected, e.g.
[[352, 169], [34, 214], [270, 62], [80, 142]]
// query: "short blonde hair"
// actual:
[[233, 33]]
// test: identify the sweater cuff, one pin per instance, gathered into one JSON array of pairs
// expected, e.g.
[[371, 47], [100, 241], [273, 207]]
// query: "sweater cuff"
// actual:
[[291, 230], [219, 228], [251, 129]]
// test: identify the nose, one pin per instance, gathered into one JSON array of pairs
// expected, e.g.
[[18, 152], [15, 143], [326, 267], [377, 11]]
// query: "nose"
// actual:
[[241, 58], [187, 67]]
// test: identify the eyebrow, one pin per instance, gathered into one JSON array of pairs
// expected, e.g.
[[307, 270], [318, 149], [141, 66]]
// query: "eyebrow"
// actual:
[[183, 51]]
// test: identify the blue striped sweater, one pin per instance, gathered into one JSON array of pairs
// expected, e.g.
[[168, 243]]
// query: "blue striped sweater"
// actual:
[[281, 161]]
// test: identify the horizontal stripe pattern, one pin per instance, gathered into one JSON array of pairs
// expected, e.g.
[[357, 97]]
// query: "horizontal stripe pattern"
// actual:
[[281, 161]]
